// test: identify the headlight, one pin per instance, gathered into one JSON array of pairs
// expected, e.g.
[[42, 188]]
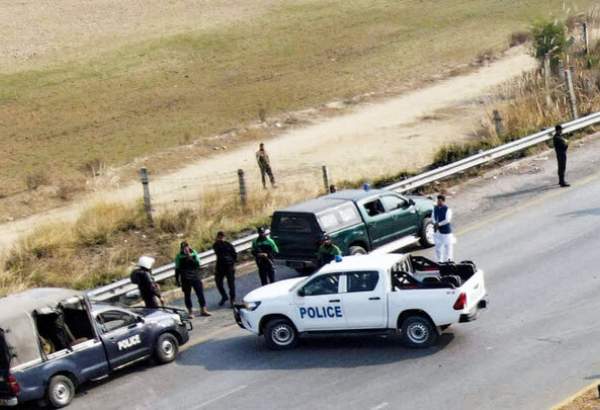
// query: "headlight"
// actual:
[[251, 305], [178, 320]]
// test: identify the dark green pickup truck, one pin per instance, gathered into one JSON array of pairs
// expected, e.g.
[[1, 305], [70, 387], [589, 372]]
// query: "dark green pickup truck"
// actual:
[[358, 222]]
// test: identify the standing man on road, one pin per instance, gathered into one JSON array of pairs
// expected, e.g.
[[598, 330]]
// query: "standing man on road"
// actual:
[[142, 277], [226, 259], [264, 163], [187, 275], [444, 238], [264, 250], [561, 145], [328, 251]]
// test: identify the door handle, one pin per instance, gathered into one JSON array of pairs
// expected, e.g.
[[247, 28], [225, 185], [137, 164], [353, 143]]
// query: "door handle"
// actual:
[[334, 301], [375, 298]]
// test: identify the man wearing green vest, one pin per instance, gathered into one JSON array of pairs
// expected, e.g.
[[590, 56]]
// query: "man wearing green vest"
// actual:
[[328, 251], [264, 250]]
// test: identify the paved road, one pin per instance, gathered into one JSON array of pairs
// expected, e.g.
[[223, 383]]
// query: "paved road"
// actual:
[[538, 342]]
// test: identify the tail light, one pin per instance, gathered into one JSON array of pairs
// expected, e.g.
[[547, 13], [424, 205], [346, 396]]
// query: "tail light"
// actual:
[[461, 302], [13, 385]]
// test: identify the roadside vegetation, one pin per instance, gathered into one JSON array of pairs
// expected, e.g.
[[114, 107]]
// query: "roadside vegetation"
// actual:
[[65, 123]]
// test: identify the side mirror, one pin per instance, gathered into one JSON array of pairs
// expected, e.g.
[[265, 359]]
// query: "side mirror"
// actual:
[[301, 293], [411, 202], [140, 319]]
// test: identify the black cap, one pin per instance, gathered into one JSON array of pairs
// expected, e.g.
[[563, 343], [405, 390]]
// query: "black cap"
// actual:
[[558, 128], [261, 230]]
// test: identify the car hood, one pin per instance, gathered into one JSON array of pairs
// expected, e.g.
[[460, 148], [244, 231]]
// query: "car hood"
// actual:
[[153, 315], [422, 203], [273, 290]]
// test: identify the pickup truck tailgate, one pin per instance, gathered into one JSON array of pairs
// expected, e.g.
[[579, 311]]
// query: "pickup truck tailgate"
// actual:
[[474, 288]]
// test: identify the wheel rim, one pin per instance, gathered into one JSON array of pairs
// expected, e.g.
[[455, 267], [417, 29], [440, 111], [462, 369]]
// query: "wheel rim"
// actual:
[[168, 348], [430, 233], [359, 251], [62, 393], [417, 333], [282, 335]]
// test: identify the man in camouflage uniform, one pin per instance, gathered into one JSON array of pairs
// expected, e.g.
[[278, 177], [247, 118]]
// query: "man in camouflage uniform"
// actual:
[[264, 163]]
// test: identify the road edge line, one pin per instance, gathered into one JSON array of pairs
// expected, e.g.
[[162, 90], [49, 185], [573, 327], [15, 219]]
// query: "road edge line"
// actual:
[[574, 396]]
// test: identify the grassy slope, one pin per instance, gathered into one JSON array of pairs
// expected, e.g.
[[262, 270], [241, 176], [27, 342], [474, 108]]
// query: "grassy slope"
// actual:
[[148, 96]]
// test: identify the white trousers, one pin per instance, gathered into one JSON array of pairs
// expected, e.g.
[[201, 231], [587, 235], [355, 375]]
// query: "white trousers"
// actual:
[[444, 247]]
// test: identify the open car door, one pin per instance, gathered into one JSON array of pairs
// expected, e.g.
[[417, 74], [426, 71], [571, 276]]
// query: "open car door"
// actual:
[[5, 357]]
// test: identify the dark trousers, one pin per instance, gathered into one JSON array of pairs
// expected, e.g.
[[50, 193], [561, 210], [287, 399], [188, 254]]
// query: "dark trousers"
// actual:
[[266, 170], [561, 159], [266, 271], [187, 285], [222, 272]]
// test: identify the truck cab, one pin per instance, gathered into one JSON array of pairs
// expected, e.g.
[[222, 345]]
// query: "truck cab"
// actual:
[[52, 340], [358, 222], [409, 295]]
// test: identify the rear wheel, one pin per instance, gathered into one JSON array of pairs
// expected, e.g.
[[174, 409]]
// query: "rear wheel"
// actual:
[[357, 250], [280, 334], [166, 348], [418, 332], [427, 238], [61, 391]]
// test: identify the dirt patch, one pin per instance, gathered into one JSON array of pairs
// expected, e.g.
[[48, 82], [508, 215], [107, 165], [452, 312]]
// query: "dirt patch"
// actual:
[[585, 400]]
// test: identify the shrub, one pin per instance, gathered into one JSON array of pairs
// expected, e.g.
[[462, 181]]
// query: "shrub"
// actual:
[[550, 38], [519, 37], [35, 180]]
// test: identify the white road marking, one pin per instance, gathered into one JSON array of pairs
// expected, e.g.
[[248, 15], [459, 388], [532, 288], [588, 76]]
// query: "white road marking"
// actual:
[[381, 406], [222, 396]]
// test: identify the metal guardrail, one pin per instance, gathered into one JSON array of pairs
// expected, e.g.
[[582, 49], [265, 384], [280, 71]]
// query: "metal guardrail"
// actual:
[[162, 273]]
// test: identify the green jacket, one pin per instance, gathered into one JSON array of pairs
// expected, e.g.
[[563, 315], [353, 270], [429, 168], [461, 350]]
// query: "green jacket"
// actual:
[[265, 245], [326, 254], [185, 269]]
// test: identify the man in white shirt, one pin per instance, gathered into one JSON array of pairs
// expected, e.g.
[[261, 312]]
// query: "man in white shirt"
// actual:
[[444, 238]]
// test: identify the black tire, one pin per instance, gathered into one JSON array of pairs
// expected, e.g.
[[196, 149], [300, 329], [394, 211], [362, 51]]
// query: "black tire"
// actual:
[[166, 348], [418, 332], [280, 334], [426, 237], [357, 250], [61, 391]]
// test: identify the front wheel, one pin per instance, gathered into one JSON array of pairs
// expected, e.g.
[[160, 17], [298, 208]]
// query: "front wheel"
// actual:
[[61, 391], [357, 250], [427, 237], [166, 348], [418, 332], [280, 334]]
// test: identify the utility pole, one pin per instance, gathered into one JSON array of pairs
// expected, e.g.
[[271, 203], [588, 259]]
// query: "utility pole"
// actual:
[[242, 183]]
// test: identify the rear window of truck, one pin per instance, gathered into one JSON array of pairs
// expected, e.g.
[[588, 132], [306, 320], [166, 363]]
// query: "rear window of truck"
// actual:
[[339, 217], [297, 223]]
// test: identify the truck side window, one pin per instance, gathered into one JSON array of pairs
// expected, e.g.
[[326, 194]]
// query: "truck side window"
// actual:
[[323, 285], [393, 202], [114, 319], [362, 281], [374, 208]]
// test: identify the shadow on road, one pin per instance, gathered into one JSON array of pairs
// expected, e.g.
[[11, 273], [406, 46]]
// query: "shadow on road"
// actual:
[[250, 353], [513, 194], [582, 212]]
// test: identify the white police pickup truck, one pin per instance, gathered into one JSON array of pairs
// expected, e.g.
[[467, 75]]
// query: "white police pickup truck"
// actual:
[[366, 294]]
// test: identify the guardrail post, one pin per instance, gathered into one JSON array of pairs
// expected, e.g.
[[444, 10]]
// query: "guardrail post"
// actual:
[[325, 178], [498, 123], [242, 183], [146, 186], [571, 93]]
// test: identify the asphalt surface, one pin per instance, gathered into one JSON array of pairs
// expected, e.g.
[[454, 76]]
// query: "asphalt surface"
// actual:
[[538, 342]]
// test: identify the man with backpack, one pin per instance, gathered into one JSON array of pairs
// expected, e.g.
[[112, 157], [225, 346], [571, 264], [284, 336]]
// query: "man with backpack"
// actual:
[[264, 250], [187, 275]]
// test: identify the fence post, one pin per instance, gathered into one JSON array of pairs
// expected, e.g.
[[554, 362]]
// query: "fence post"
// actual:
[[547, 78], [498, 123], [242, 183], [146, 186], [571, 93], [586, 38], [325, 178]]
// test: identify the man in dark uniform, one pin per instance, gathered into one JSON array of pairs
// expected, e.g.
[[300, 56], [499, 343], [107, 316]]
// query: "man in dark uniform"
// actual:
[[187, 275], [561, 145], [142, 277], [226, 259], [328, 251], [264, 163], [264, 250]]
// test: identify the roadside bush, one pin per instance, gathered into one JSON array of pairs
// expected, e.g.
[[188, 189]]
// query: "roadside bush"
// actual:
[[519, 37], [35, 180], [550, 37]]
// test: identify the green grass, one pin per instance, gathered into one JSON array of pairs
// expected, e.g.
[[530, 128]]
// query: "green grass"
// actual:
[[144, 98]]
